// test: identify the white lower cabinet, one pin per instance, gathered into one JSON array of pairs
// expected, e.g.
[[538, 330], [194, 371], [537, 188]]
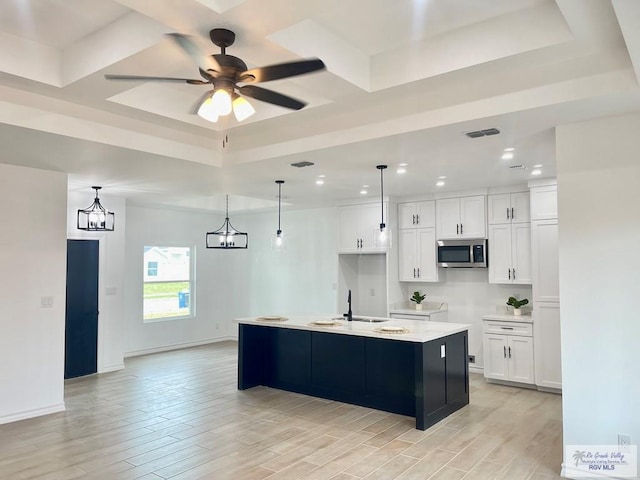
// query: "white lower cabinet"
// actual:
[[547, 333], [508, 351], [417, 255]]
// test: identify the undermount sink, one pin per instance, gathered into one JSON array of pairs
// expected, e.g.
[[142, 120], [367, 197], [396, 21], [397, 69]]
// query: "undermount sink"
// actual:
[[368, 320]]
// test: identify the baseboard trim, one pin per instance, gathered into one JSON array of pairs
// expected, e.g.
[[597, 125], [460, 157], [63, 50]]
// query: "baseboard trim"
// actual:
[[112, 368], [37, 412], [476, 369], [177, 346]]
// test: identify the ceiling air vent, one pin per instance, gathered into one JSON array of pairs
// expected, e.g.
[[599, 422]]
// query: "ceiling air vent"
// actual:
[[516, 167], [483, 133], [302, 164]]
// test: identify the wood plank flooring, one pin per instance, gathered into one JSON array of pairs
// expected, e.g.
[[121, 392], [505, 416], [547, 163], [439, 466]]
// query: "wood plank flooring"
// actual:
[[178, 415]]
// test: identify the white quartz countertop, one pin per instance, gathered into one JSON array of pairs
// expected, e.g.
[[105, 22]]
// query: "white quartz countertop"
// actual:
[[413, 311], [415, 330], [508, 318]]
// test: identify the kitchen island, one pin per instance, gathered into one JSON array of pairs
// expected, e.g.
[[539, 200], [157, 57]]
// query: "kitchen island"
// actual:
[[409, 367]]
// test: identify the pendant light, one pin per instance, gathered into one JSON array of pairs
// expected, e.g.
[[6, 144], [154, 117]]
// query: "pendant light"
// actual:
[[277, 242], [383, 227], [226, 236], [95, 218]]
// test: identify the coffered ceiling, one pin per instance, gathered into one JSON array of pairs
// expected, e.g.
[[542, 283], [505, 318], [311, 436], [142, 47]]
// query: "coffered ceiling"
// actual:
[[405, 80]]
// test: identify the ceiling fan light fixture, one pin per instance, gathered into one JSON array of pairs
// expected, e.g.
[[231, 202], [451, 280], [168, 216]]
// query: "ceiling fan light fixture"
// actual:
[[207, 111], [242, 109], [221, 101]]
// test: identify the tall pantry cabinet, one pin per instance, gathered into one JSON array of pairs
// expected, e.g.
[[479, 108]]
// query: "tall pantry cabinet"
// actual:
[[546, 295]]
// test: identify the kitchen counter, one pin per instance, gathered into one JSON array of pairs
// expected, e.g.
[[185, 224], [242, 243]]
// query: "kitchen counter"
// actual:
[[421, 372], [500, 317], [415, 330]]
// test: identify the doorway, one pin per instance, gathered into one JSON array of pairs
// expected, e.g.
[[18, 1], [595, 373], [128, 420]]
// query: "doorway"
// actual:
[[81, 318]]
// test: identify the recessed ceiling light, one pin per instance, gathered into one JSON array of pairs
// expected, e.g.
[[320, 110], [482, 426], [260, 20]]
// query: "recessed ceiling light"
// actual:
[[509, 149], [442, 177], [319, 182], [321, 176], [363, 192], [537, 171], [401, 170], [507, 156], [538, 166], [403, 164], [440, 184], [365, 186]]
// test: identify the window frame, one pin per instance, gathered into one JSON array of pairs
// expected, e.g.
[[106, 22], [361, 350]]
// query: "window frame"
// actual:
[[191, 252]]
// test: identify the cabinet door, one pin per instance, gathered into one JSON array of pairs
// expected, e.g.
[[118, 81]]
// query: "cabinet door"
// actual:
[[426, 214], [520, 355], [546, 332], [349, 219], [473, 217], [520, 204], [544, 203], [426, 252], [407, 259], [369, 226], [544, 254], [495, 356], [499, 208], [448, 218], [500, 254], [407, 215], [521, 253]]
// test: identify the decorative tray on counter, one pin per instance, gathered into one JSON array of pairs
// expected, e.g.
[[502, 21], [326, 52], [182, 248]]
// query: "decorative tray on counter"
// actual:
[[326, 323], [271, 318], [391, 329]]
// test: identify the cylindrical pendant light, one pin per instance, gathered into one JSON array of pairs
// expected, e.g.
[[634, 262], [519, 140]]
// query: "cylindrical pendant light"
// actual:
[[278, 242], [383, 227]]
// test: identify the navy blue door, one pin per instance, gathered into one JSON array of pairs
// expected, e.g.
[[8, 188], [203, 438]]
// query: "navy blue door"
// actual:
[[81, 329]]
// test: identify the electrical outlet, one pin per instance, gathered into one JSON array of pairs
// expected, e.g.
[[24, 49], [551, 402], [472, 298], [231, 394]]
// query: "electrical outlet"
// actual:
[[472, 359], [624, 441]]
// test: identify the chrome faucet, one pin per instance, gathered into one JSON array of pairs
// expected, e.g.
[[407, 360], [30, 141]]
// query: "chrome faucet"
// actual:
[[349, 314]]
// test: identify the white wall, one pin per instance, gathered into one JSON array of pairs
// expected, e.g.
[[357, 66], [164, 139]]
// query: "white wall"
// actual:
[[32, 265], [599, 234], [470, 296], [111, 274]]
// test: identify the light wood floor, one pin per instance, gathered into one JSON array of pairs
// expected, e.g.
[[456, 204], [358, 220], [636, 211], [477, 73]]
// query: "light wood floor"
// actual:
[[179, 415]]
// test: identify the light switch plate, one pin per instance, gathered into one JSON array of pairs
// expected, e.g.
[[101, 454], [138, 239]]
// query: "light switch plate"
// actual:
[[46, 302]]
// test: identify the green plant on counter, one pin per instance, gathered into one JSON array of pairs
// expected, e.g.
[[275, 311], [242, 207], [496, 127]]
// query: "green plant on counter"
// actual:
[[515, 303], [417, 297]]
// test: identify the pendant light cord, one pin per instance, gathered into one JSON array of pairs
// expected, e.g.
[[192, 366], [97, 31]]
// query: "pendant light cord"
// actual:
[[279, 182]]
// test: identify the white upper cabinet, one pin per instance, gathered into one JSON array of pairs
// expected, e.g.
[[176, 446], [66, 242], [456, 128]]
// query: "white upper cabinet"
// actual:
[[544, 203], [417, 255], [508, 208], [417, 214], [510, 253], [360, 229], [463, 217]]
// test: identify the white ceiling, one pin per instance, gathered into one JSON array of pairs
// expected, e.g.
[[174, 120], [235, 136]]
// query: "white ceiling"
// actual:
[[405, 80]]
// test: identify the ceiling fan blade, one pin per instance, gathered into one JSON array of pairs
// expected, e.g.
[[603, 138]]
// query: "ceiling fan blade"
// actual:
[[155, 79], [204, 61], [281, 70], [270, 96]]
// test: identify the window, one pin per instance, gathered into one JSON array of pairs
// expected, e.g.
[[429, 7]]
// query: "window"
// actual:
[[168, 283]]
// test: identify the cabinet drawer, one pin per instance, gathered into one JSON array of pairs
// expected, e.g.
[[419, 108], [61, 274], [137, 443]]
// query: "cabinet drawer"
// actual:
[[509, 328]]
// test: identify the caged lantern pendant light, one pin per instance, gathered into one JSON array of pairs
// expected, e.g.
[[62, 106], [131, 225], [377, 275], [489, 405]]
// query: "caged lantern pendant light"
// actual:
[[383, 227], [226, 236], [277, 242], [95, 218]]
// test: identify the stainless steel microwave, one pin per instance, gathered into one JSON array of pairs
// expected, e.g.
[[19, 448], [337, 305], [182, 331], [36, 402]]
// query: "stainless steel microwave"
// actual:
[[471, 253]]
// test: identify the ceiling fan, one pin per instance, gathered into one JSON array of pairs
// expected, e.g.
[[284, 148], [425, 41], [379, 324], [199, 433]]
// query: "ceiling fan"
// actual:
[[224, 72]]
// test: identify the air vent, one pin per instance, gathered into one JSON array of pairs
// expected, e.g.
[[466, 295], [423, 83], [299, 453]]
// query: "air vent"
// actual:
[[516, 167], [483, 133], [302, 164]]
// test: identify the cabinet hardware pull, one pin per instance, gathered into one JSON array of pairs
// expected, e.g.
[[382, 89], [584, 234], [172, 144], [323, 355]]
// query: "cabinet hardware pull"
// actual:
[[509, 352], [509, 274], [418, 272], [507, 214], [512, 215], [506, 328], [417, 219], [505, 351], [457, 229], [414, 273], [413, 221], [460, 229], [514, 273]]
